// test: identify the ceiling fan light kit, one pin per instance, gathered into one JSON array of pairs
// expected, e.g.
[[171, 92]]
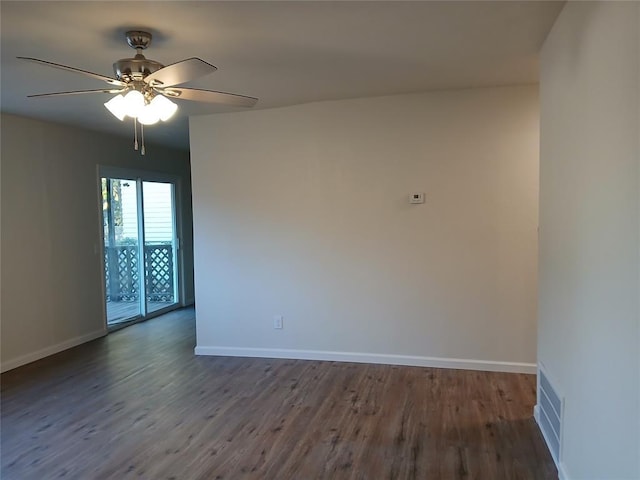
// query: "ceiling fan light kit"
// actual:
[[135, 105], [143, 87]]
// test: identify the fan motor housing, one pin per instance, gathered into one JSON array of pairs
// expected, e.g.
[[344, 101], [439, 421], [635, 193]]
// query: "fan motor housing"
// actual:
[[135, 69]]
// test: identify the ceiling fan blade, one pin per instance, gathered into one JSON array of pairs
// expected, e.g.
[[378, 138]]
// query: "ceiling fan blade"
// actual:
[[180, 72], [76, 92], [209, 96], [104, 78]]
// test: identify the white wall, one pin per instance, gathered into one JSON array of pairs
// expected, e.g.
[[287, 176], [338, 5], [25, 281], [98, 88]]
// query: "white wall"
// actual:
[[589, 234], [303, 211], [51, 274]]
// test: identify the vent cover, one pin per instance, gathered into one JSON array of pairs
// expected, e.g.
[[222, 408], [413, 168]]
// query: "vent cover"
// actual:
[[550, 407]]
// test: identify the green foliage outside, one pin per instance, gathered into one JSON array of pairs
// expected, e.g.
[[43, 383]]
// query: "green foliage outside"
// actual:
[[116, 200]]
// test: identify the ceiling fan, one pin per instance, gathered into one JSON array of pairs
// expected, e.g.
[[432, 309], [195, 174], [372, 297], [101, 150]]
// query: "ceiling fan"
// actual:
[[145, 88]]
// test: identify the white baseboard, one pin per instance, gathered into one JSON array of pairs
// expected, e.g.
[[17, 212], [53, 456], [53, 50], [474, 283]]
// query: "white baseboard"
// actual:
[[53, 349], [408, 360]]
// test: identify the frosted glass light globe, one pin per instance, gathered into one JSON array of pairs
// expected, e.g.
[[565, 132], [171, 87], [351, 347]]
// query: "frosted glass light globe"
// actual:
[[134, 103]]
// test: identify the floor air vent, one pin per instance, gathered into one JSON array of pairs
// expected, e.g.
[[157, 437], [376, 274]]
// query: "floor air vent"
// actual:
[[549, 414]]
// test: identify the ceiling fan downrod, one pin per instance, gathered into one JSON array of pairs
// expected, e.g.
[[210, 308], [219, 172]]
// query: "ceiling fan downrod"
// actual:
[[132, 70]]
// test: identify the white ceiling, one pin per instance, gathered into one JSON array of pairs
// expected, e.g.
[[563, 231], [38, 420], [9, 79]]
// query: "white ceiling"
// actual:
[[284, 53]]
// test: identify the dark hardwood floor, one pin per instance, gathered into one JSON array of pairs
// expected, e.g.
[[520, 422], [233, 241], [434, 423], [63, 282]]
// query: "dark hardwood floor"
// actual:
[[139, 404]]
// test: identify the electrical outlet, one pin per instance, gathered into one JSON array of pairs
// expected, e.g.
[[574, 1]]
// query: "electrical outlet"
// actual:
[[277, 321], [416, 198]]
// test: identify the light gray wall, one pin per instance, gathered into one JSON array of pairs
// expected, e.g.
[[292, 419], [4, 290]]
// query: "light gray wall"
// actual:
[[303, 211], [588, 337], [51, 272]]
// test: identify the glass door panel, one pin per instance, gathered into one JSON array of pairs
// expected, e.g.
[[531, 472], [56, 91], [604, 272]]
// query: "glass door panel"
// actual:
[[140, 246], [160, 246], [121, 249]]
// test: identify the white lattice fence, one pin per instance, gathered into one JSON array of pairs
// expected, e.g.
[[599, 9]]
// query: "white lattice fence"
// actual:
[[159, 260], [125, 286]]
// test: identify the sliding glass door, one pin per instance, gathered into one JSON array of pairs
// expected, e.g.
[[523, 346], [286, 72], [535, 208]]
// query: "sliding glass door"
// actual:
[[159, 245], [140, 247]]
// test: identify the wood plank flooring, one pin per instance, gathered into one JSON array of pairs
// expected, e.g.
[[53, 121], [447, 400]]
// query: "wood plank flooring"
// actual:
[[139, 404]]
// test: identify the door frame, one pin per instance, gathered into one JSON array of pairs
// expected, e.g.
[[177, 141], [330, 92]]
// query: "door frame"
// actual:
[[107, 171]]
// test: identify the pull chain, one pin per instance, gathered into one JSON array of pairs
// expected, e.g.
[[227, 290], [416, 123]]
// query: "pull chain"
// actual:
[[142, 151], [135, 133]]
